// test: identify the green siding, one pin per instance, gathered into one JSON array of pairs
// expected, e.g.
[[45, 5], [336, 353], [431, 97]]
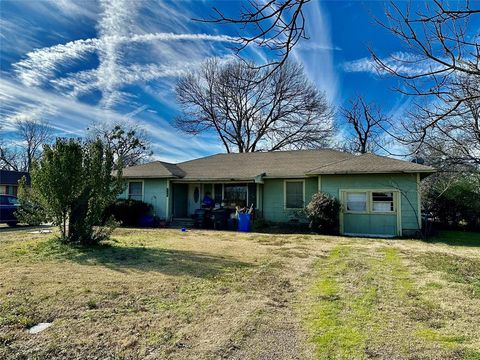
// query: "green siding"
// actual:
[[274, 203], [154, 193], [370, 224], [405, 183]]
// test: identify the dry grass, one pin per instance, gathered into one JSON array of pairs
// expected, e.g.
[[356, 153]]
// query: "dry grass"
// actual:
[[204, 294]]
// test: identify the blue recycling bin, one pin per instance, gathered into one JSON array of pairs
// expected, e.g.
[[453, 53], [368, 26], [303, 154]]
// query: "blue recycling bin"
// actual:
[[244, 222]]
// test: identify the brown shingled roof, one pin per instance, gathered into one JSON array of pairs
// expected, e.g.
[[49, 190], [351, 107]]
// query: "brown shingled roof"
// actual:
[[371, 164], [276, 164], [155, 169], [245, 166]]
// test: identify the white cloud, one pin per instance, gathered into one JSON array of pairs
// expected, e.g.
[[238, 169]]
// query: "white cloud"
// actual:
[[41, 65], [403, 63], [69, 117], [316, 53]]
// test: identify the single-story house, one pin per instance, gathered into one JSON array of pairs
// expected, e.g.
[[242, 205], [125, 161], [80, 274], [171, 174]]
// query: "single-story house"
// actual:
[[9, 181], [380, 195]]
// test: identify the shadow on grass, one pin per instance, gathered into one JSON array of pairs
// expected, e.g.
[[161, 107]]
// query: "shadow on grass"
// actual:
[[121, 258], [457, 238]]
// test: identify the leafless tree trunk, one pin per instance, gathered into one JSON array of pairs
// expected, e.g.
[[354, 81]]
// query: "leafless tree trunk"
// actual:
[[442, 71], [253, 112], [366, 123]]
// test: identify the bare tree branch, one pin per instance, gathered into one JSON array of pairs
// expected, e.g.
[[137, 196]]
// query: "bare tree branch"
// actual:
[[128, 141], [275, 25], [250, 111], [367, 123], [442, 73]]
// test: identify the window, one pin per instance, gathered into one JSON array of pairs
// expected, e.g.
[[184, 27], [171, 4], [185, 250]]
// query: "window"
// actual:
[[294, 194], [235, 195], [382, 202], [135, 190], [357, 201], [9, 189]]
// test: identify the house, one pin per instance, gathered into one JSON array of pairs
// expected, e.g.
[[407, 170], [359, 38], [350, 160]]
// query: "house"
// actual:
[[9, 181], [380, 195]]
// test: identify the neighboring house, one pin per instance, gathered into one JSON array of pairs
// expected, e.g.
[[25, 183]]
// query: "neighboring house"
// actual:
[[9, 181], [380, 195]]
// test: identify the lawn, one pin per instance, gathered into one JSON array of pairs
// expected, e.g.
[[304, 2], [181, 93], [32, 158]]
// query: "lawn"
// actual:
[[204, 294]]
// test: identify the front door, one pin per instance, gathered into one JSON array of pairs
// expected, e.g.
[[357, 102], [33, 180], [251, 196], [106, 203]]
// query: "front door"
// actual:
[[180, 200], [194, 198]]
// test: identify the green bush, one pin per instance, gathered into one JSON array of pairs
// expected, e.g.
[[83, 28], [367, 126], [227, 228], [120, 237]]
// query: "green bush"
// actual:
[[71, 185], [323, 213], [453, 199], [128, 211]]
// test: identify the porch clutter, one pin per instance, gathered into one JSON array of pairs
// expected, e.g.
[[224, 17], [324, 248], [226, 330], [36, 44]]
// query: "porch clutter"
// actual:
[[222, 217]]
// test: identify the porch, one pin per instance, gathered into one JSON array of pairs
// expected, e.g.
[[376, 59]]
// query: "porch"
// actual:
[[188, 197]]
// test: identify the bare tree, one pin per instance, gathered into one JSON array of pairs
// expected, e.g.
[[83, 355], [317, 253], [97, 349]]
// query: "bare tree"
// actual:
[[442, 72], [33, 134], [366, 122], [22, 151], [253, 112], [128, 141], [275, 25], [9, 156]]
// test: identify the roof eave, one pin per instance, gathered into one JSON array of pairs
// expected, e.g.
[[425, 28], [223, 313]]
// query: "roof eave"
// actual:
[[150, 177], [374, 172]]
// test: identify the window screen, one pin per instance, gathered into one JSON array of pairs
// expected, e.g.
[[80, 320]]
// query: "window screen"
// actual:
[[135, 190], [294, 194], [382, 202], [357, 201]]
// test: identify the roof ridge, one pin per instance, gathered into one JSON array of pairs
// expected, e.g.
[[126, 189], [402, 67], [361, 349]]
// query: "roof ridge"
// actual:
[[264, 152], [333, 162]]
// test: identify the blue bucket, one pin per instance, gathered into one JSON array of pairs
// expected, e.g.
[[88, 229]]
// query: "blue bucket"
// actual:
[[244, 222]]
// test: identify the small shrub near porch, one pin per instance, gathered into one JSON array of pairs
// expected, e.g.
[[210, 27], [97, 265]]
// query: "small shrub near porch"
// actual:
[[323, 213]]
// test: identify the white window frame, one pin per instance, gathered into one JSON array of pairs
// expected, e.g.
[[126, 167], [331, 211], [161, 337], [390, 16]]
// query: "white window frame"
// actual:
[[345, 201], [143, 188], [369, 208], [285, 193], [394, 201], [397, 205]]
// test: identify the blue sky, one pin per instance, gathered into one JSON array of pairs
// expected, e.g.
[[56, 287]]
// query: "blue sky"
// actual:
[[72, 63]]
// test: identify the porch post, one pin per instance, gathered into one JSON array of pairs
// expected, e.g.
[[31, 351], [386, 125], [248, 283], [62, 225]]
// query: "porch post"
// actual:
[[167, 199]]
